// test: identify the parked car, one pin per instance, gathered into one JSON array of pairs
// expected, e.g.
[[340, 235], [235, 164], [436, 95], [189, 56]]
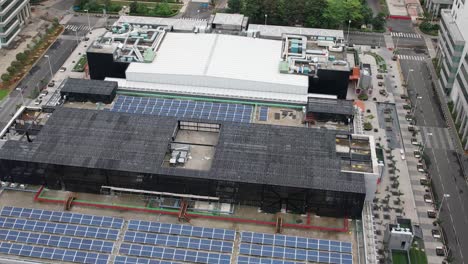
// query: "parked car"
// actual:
[[395, 57], [411, 128], [424, 181], [435, 233], [379, 76], [420, 168], [409, 118], [38, 101], [428, 198], [414, 141], [62, 69], [417, 154], [402, 154], [440, 251], [51, 84], [404, 96], [431, 214]]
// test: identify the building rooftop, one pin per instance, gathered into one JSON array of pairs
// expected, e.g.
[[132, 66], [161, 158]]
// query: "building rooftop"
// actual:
[[219, 61], [250, 153], [83, 86], [228, 19], [278, 31], [330, 106]]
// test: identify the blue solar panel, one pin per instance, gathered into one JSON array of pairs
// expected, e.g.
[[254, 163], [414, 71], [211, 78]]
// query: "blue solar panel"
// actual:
[[174, 254], [53, 253], [184, 108], [297, 254], [63, 217], [56, 241], [179, 241], [296, 242], [135, 260], [185, 230], [57, 228], [263, 113], [256, 260]]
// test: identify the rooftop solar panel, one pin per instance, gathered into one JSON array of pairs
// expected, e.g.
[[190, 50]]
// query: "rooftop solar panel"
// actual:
[[185, 230], [257, 260], [296, 242], [179, 241], [58, 228], [63, 217], [185, 108], [135, 260], [295, 254], [56, 241], [174, 254], [66, 255]]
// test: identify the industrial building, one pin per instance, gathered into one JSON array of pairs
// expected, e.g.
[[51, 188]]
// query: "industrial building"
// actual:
[[80, 90], [148, 54], [296, 169], [13, 15]]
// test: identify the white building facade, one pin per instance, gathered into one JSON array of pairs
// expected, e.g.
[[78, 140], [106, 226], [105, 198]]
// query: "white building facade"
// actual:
[[453, 63], [13, 15]]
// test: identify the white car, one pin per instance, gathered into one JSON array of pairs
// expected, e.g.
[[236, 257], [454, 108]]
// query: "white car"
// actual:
[[62, 69], [402, 153]]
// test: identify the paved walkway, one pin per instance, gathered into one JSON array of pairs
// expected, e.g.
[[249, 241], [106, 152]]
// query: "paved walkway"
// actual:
[[412, 179]]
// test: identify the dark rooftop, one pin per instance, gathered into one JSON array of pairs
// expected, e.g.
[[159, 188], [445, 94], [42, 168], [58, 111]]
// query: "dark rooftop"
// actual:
[[330, 106], [82, 86], [251, 153]]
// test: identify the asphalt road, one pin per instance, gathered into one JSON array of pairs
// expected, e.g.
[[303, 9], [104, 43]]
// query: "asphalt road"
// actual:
[[444, 168], [57, 53], [366, 38]]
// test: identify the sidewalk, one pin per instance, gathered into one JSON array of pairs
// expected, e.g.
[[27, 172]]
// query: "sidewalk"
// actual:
[[412, 177]]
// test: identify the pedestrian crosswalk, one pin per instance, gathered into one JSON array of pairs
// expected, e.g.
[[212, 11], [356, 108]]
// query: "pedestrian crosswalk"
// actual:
[[436, 138], [72, 27], [405, 35], [411, 57], [365, 33]]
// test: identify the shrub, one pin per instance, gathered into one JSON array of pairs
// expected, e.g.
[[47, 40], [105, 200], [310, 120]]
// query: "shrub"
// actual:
[[6, 77], [11, 70], [367, 126], [363, 97]]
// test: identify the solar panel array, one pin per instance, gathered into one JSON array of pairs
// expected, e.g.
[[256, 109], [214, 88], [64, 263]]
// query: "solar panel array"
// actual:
[[134, 260], [268, 248], [63, 217], [59, 236], [263, 113], [145, 241], [184, 108]]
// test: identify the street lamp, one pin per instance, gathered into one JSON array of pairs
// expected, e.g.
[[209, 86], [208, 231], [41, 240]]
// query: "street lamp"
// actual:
[[50, 67], [349, 25], [89, 24], [446, 195], [266, 17], [21, 93], [408, 76]]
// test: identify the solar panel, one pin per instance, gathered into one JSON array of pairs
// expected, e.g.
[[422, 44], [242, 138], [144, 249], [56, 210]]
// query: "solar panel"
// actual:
[[174, 254], [184, 230], [179, 241], [63, 217], [58, 228], [53, 253], [185, 108], [56, 241], [294, 254], [263, 113], [134, 260], [296, 242], [255, 260]]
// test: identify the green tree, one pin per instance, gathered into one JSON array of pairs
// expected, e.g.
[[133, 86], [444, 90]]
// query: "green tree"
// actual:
[[21, 57], [294, 12], [315, 10], [234, 6], [339, 12], [11, 70], [6, 77], [254, 10], [163, 9], [142, 9], [366, 14], [378, 22], [16, 64], [133, 7]]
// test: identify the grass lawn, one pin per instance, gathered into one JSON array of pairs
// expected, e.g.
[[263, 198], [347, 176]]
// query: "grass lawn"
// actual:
[[80, 65], [417, 256], [400, 257], [3, 93]]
